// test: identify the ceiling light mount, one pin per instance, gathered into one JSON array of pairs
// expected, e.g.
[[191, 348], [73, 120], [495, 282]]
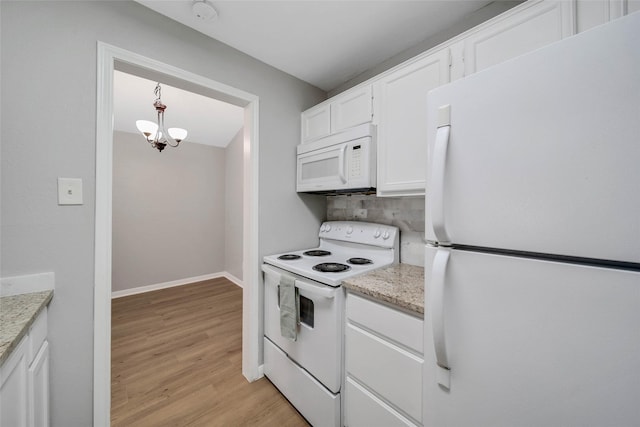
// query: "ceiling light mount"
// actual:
[[204, 11], [154, 133]]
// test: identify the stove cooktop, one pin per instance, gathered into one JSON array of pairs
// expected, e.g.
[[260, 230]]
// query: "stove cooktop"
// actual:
[[347, 248]]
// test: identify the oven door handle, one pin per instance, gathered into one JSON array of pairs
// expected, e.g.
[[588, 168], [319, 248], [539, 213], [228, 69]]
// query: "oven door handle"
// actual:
[[321, 290], [326, 292]]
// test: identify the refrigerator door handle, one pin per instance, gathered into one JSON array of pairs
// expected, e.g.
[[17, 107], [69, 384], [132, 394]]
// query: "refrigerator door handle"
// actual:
[[438, 166], [438, 273]]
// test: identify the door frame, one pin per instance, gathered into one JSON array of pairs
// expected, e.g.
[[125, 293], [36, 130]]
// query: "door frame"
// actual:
[[111, 58]]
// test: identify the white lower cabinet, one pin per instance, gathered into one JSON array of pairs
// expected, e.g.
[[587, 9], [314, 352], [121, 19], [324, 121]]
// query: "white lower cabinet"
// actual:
[[24, 380], [383, 365], [365, 409], [14, 390], [38, 377]]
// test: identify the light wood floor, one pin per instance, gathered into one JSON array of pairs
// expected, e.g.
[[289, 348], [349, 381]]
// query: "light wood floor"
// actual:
[[176, 361]]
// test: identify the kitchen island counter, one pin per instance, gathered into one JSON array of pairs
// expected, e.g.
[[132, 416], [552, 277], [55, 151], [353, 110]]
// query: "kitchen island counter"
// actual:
[[401, 285], [17, 313]]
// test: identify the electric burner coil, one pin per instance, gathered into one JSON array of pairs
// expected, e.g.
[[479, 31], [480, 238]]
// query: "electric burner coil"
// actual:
[[331, 267]]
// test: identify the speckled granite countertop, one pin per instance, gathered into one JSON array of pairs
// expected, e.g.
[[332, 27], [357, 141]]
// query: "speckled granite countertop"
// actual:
[[17, 313], [401, 285]]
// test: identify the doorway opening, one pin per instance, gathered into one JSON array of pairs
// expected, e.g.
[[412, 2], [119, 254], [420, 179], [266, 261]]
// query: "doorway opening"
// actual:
[[111, 58]]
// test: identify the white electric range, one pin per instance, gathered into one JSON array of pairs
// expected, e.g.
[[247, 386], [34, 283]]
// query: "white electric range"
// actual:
[[308, 371]]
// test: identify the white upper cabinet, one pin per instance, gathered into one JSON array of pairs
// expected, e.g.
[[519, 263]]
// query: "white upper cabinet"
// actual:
[[537, 24], [399, 95], [316, 122], [401, 110], [350, 108], [590, 13]]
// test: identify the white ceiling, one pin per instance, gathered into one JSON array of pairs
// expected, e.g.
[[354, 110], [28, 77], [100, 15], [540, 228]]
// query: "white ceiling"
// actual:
[[208, 121], [324, 43]]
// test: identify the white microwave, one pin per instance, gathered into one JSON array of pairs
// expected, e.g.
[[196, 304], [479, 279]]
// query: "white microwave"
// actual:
[[340, 163]]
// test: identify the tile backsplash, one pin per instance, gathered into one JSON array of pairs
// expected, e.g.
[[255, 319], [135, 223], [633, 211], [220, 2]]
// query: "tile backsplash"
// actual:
[[406, 213]]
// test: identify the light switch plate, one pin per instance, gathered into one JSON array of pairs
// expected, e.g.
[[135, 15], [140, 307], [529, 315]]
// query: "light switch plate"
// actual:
[[69, 191]]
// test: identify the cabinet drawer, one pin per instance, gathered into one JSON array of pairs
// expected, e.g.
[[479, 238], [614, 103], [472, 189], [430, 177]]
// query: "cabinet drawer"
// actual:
[[393, 324], [366, 410], [393, 373]]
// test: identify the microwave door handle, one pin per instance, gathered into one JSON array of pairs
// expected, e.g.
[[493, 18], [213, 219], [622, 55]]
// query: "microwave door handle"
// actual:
[[341, 160]]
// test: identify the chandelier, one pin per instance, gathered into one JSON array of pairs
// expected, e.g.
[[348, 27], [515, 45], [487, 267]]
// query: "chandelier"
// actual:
[[154, 133]]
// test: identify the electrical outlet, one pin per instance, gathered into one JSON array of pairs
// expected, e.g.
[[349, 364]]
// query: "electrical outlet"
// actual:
[[69, 191]]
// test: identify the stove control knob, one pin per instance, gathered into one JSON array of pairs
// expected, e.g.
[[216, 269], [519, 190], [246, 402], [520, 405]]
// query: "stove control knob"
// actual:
[[349, 229], [322, 228], [376, 233], [386, 235], [327, 228]]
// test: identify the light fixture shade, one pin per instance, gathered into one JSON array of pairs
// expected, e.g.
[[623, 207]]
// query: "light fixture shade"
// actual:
[[177, 133], [146, 127]]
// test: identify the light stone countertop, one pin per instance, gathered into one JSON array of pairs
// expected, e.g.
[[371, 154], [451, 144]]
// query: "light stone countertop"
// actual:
[[17, 313], [401, 285]]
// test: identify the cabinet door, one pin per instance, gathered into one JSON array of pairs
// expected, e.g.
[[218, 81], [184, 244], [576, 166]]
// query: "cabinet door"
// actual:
[[13, 388], [401, 110], [542, 23], [39, 388], [351, 108], [316, 123]]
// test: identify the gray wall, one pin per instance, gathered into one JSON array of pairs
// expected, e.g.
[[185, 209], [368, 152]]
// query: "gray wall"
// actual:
[[233, 206], [471, 20], [168, 212], [48, 130]]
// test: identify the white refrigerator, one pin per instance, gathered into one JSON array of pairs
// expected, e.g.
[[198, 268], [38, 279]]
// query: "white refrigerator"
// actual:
[[532, 269]]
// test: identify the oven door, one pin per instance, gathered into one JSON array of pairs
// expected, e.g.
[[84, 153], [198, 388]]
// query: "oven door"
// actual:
[[318, 348]]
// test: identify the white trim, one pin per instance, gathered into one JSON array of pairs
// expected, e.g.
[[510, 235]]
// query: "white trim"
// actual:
[[107, 57], [251, 337], [102, 270], [165, 285], [230, 277]]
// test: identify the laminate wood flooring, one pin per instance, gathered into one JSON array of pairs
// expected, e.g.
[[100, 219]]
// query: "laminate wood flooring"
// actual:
[[176, 360]]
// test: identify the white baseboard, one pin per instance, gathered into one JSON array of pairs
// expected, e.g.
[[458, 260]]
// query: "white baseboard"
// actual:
[[233, 279], [173, 283]]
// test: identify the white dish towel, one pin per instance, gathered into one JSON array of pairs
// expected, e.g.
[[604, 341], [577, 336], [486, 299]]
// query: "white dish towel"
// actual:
[[289, 307]]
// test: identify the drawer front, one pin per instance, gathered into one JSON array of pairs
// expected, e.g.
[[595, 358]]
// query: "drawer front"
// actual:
[[393, 324], [363, 409], [316, 404], [388, 370]]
